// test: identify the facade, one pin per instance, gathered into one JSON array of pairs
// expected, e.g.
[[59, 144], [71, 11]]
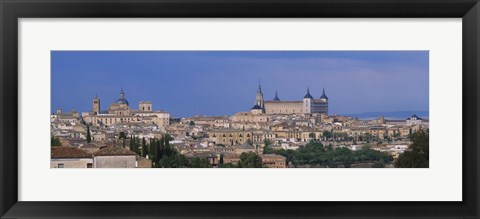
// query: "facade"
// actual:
[[308, 105], [230, 137], [273, 161], [120, 112], [114, 157], [70, 157], [414, 120]]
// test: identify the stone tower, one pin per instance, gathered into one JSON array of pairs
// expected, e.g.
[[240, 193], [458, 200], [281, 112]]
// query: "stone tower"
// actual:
[[307, 102], [259, 98], [96, 104]]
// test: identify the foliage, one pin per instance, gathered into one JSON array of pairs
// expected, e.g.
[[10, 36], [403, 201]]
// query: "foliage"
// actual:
[[144, 148], [417, 154], [267, 142], [134, 145], [163, 155], [198, 162], [55, 141], [327, 134], [315, 154], [229, 165], [250, 160], [378, 165], [89, 137], [221, 159], [122, 135]]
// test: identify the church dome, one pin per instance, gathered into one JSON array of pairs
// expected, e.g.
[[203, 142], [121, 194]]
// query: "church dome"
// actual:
[[122, 99]]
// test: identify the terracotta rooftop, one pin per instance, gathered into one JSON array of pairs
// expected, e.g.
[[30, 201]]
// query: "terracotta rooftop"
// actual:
[[68, 152], [114, 151]]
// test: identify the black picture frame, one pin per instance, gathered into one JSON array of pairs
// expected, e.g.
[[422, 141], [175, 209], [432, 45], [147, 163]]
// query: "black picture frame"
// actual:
[[12, 10]]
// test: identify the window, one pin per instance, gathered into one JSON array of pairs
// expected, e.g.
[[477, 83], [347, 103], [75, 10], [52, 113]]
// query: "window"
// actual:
[[60, 165], [89, 165]]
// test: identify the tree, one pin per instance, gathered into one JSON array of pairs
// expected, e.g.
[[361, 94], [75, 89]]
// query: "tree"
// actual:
[[327, 135], [417, 154], [89, 137], [250, 160], [221, 159], [144, 147], [55, 141], [122, 136], [135, 146], [311, 135], [229, 165], [267, 142], [378, 165], [131, 143], [199, 162]]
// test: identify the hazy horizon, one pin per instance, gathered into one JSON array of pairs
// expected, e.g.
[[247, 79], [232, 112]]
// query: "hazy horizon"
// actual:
[[188, 83]]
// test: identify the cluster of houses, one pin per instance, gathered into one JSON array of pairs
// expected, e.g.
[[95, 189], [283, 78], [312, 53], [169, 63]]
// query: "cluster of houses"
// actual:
[[97, 140]]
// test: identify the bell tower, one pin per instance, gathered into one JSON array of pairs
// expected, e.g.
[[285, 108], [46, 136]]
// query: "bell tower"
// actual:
[[96, 104]]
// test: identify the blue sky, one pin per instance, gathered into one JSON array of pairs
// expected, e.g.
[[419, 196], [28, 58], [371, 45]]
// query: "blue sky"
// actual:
[[187, 83]]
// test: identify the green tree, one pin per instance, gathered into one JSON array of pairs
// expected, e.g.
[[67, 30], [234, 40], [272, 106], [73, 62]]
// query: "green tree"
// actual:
[[267, 142], [131, 143], [199, 162], [89, 137], [55, 141], [250, 160], [229, 165], [144, 147], [327, 134], [417, 154], [221, 160], [136, 147], [311, 135], [122, 136], [378, 165]]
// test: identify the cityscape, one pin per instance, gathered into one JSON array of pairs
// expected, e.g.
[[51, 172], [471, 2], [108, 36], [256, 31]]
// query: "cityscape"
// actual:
[[273, 132]]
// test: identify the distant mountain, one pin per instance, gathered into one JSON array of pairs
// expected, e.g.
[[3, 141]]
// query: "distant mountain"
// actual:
[[390, 115]]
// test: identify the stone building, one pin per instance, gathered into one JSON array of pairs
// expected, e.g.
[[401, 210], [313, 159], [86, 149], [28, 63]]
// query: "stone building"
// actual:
[[308, 105], [273, 161], [70, 157], [120, 112], [114, 157]]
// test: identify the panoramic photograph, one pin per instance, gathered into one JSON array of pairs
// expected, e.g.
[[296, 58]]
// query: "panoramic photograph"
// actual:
[[239, 109]]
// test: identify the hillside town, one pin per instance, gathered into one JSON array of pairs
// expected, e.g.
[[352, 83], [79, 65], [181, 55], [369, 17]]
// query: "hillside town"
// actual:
[[271, 134]]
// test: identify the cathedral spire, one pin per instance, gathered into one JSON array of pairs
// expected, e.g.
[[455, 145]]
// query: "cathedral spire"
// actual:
[[259, 97]]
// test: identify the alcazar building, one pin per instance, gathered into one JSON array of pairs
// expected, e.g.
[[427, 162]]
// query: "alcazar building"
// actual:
[[308, 105]]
